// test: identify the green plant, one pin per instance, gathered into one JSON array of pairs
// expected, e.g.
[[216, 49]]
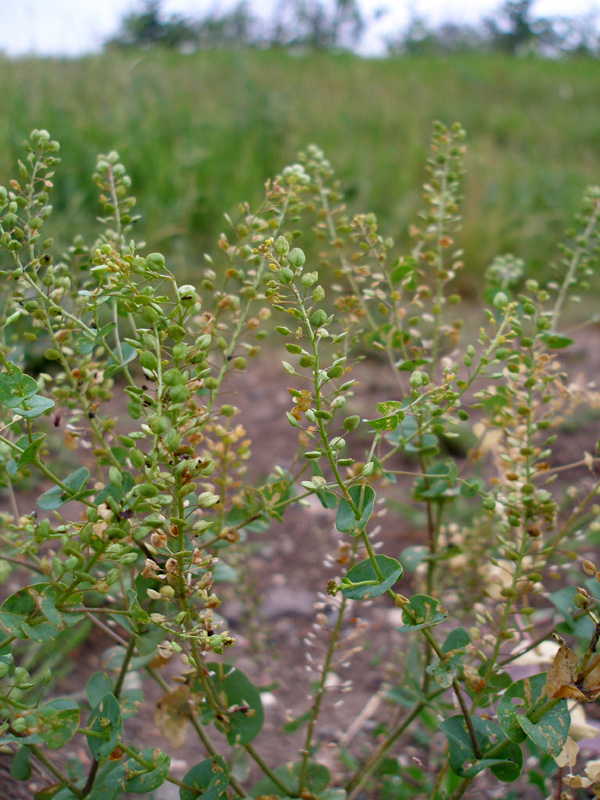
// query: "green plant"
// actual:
[[133, 538]]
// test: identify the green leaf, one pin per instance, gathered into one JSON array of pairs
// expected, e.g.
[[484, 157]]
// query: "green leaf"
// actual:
[[114, 359], [454, 649], [364, 498], [136, 612], [98, 685], [30, 452], [131, 776], [15, 387], [391, 407], [422, 611], [57, 496], [106, 719], [34, 407], [384, 423], [209, 778], [506, 765], [19, 612], [414, 444], [471, 488], [556, 342], [20, 768], [523, 699], [317, 779], [438, 489], [58, 721], [373, 586], [235, 692]]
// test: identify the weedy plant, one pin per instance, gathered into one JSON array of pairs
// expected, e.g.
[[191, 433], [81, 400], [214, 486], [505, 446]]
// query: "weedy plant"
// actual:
[[132, 539]]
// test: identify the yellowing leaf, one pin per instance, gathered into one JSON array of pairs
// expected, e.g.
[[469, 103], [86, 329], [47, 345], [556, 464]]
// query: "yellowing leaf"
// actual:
[[561, 675], [562, 678], [172, 715]]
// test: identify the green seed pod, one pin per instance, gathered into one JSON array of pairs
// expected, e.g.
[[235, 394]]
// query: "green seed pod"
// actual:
[[155, 261], [179, 394], [136, 457], [318, 318], [148, 360], [296, 258], [150, 315], [173, 377], [159, 424], [228, 410], [352, 423], [240, 363], [282, 246]]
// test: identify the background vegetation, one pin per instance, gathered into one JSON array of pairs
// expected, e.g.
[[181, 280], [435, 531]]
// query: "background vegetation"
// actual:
[[200, 131]]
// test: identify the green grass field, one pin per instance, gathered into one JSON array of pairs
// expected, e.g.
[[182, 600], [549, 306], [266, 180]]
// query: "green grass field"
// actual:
[[199, 133]]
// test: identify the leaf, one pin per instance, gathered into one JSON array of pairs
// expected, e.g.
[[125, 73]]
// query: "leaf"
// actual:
[[318, 778], [506, 766], [97, 686], [20, 768], [136, 612], [209, 778], [31, 612], [106, 719], [364, 498], [30, 452], [454, 649], [438, 489], [58, 721], [243, 715], [413, 556], [172, 716], [563, 674], [556, 342], [15, 386], [114, 359], [34, 406], [422, 611], [57, 496], [407, 430], [522, 700], [390, 407], [471, 487], [131, 776], [364, 572]]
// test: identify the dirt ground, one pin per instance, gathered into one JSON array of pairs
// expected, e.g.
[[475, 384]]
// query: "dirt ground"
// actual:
[[289, 568]]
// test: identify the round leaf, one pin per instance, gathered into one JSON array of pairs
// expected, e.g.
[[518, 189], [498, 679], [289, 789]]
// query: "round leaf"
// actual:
[[364, 498], [235, 691], [209, 778], [422, 611], [523, 699], [364, 573], [506, 762]]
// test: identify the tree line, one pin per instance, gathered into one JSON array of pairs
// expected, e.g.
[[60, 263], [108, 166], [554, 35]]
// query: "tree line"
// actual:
[[336, 25]]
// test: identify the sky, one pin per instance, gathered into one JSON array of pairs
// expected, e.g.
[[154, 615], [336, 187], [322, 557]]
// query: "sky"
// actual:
[[73, 27]]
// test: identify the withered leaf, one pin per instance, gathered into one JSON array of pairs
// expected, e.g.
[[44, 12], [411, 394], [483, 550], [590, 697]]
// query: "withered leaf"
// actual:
[[562, 675], [172, 716]]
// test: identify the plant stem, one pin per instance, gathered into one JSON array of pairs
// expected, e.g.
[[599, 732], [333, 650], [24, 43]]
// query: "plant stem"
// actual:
[[321, 690]]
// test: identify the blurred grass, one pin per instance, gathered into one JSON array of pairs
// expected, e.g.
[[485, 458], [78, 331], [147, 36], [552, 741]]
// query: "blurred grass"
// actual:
[[198, 133]]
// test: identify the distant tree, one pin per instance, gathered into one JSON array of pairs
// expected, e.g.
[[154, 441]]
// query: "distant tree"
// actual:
[[421, 39], [514, 29], [318, 24], [148, 27], [235, 28]]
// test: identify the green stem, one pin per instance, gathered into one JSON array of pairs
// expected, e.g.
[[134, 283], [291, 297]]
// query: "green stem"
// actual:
[[320, 694]]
